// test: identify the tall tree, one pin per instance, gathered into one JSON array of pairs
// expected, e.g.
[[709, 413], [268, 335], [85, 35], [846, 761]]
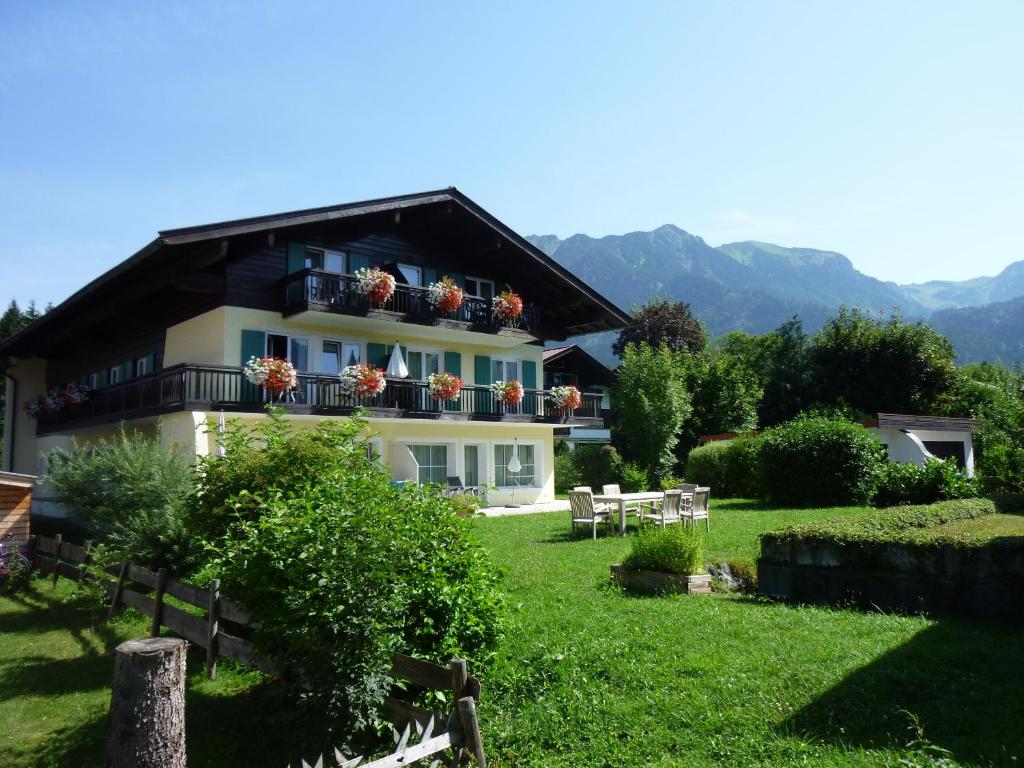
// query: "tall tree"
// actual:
[[724, 394], [11, 321], [651, 402], [661, 321]]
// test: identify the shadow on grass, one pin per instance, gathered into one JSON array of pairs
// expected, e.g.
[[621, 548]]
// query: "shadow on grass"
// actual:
[[73, 614], [962, 679]]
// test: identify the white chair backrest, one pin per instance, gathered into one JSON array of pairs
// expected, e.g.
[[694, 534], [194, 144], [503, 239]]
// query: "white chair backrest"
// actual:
[[687, 487], [581, 488], [670, 505], [700, 500], [612, 489], [582, 504]]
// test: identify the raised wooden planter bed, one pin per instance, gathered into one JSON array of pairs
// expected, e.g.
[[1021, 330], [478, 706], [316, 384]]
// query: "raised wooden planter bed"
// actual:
[[661, 582]]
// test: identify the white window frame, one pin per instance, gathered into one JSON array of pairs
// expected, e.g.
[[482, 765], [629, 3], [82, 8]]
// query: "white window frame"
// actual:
[[323, 258], [418, 268], [538, 455], [479, 280], [267, 333], [433, 444], [114, 375], [341, 344], [93, 381], [140, 367], [425, 350], [481, 463]]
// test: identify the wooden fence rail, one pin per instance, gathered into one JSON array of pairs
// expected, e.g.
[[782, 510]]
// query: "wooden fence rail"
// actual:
[[217, 630]]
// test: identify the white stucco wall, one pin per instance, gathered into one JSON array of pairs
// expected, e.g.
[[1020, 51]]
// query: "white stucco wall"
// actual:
[[902, 447]]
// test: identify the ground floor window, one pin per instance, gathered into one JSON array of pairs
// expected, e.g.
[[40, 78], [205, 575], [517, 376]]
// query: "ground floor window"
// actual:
[[432, 462], [525, 477], [472, 459]]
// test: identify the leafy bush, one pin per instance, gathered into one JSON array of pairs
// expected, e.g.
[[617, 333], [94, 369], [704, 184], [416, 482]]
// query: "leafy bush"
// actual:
[[567, 475], [706, 465], [816, 461], [131, 494], [894, 525], [465, 504], [673, 549], [743, 467], [905, 483], [347, 570], [634, 478], [261, 461]]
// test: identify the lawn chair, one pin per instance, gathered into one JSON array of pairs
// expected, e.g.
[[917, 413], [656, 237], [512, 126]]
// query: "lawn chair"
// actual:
[[585, 512], [455, 487], [611, 489], [670, 511], [687, 488], [698, 508]]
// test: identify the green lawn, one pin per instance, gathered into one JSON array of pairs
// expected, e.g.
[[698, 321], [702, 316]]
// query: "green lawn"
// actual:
[[592, 676], [587, 675]]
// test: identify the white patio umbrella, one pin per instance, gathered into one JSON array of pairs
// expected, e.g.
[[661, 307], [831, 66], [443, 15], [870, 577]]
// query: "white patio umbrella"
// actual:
[[514, 466], [397, 369]]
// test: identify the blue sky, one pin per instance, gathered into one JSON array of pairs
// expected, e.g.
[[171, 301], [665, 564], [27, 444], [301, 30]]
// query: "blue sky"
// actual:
[[892, 132]]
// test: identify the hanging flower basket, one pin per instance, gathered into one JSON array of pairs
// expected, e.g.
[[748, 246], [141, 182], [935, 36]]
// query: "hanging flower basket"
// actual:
[[444, 386], [272, 373], [566, 398], [33, 407], [362, 380], [376, 284], [508, 393], [508, 308], [444, 295], [54, 400], [74, 395]]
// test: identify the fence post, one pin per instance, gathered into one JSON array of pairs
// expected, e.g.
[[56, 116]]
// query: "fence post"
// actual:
[[471, 739], [56, 557], [158, 602], [115, 602], [213, 629], [460, 676]]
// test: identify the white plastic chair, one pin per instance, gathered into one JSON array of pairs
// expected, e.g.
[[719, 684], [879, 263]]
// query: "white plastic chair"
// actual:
[[585, 512]]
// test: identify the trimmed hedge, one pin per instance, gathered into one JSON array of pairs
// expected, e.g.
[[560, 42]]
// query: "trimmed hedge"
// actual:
[[729, 468], [937, 480], [674, 549], [705, 465], [895, 525]]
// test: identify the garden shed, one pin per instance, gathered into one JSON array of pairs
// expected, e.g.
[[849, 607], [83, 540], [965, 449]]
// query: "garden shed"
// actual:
[[15, 503]]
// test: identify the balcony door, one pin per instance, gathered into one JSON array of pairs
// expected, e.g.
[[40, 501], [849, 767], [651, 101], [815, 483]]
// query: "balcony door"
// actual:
[[422, 363], [507, 370]]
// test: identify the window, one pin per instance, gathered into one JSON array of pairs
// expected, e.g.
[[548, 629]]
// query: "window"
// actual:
[[94, 380], [291, 348], [432, 461], [483, 289], [564, 379], [328, 261], [114, 375], [422, 363], [141, 366], [472, 470], [504, 370], [524, 477], [413, 275], [336, 355]]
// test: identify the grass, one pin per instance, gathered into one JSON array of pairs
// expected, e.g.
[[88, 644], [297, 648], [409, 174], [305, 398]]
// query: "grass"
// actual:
[[988, 527], [587, 675]]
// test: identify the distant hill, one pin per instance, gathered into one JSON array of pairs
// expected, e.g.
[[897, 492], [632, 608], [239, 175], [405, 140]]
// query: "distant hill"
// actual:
[[994, 332], [754, 286]]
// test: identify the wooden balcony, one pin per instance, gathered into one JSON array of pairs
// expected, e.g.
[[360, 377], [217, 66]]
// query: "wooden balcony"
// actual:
[[314, 291], [215, 388]]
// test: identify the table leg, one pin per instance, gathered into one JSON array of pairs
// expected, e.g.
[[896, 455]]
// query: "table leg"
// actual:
[[622, 517]]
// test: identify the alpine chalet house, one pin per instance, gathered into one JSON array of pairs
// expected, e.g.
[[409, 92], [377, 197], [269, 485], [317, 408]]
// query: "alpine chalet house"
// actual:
[[161, 342]]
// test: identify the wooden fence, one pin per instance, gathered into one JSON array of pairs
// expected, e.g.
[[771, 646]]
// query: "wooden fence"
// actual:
[[214, 630]]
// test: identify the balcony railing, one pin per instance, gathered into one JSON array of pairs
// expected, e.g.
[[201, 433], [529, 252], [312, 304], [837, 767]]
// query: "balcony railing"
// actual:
[[204, 387], [330, 292]]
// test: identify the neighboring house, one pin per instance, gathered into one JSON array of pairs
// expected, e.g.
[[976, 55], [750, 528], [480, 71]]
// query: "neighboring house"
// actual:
[[913, 439], [160, 339], [571, 365]]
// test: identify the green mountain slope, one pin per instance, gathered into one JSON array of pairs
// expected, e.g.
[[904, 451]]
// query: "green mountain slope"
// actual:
[[994, 332]]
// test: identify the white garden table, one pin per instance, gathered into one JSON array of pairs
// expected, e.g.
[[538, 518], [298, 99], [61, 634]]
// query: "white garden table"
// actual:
[[622, 499]]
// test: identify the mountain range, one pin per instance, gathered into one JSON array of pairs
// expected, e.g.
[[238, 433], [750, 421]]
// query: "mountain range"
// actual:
[[754, 287]]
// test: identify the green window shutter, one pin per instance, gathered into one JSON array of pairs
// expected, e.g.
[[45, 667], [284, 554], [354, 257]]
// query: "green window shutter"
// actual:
[[296, 257], [357, 261], [529, 374], [254, 344], [377, 354], [430, 275], [102, 378], [127, 370], [453, 363], [151, 363], [482, 376]]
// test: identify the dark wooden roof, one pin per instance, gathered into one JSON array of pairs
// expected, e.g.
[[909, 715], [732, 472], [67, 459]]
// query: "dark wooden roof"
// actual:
[[574, 359], [445, 215], [934, 423]]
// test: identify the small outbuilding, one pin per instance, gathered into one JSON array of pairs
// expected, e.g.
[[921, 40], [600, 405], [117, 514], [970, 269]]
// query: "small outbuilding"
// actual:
[[15, 504], [913, 439]]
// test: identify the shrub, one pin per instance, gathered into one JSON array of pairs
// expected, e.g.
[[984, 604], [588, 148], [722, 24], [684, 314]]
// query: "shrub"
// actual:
[[465, 504], [742, 467], [817, 461], [673, 549], [634, 478], [261, 461], [745, 573], [130, 493], [936, 480], [346, 571], [567, 475], [706, 465]]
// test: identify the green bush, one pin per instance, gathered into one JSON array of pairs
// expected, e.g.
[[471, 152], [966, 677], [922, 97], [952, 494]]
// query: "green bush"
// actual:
[[346, 571], [706, 465], [465, 504], [673, 549], [567, 475], [818, 461], [634, 478], [906, 483], [892, 525], [130, 494]]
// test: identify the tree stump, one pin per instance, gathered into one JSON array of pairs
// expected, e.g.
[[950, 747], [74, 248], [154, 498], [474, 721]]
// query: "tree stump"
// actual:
[[147, 705]]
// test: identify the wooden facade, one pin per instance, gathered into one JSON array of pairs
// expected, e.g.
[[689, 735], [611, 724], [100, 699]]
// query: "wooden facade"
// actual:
[[15, 503]]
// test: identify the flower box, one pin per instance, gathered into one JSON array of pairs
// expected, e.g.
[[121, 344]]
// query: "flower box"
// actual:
[[508, 308], [445, 296], [376, 285], [660, 582]]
